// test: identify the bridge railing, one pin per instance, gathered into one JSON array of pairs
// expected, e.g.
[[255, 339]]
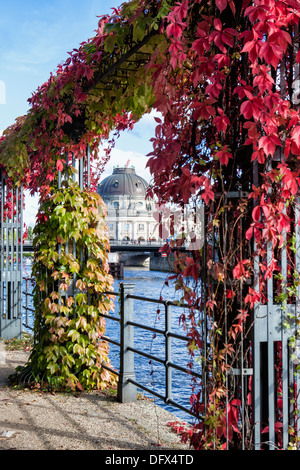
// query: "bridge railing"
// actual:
[[28, 244], [136, 242]]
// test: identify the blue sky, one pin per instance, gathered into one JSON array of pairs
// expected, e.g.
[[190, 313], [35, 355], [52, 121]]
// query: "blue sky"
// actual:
[[35, 36]]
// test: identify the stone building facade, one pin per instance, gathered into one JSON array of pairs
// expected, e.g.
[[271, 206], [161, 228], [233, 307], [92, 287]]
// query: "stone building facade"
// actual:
[[130, 216]]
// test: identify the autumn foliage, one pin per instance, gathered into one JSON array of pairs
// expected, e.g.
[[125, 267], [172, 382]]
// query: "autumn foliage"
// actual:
[[71, 274], [223, 76]]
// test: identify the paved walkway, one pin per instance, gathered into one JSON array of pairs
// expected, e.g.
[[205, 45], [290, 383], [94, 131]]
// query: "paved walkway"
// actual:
[[31, 420]]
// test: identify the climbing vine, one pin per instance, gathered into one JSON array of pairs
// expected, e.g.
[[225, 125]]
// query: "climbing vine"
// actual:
[[72, 274], [78, 105], [229, 139]]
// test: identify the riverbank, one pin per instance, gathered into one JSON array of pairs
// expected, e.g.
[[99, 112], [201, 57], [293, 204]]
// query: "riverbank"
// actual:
[[33, 420]]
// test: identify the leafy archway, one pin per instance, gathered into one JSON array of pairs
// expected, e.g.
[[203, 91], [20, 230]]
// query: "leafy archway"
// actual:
[[224, 75]]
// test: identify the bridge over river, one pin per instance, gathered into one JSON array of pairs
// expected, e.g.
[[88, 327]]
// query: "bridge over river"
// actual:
[[140, 253], [143, 254]]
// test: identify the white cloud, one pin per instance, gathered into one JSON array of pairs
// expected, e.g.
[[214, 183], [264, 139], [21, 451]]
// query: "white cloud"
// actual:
[[124, 158], [133, 146]]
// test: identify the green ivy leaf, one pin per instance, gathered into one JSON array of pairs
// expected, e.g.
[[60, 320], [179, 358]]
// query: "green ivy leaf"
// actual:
[[109, 44]]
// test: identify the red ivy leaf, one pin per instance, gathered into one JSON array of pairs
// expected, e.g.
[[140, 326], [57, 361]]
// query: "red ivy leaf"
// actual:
[[256, 214], [221, 4], [208, 194], [271, 53], [59, 165], [295, 135], [259, 155], [268, 143], [252, 108], [232, 6], [239, 270], [174, 29], [224, 155], [192, 270], [222, 121]]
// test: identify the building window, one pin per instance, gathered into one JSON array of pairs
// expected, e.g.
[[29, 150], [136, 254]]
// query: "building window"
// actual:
[[126, 227], [116, 204], [141, 226]]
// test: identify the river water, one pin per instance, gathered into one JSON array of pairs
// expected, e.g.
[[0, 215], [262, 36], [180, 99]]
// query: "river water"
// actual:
[[151, 284]]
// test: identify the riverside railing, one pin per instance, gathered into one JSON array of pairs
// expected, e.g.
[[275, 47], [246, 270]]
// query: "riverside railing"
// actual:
[[127, 383]]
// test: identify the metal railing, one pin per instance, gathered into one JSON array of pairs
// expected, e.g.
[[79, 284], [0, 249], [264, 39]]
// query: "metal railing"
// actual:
[[141, 243], [127, 383]]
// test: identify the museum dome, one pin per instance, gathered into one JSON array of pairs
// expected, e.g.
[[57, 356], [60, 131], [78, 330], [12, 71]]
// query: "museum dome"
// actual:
[[123, 182]]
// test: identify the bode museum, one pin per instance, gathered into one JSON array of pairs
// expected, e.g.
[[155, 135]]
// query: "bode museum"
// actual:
[[129, 215]]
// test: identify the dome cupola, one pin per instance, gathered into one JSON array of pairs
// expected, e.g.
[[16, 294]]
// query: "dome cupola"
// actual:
[[123, 182], [129, 213]]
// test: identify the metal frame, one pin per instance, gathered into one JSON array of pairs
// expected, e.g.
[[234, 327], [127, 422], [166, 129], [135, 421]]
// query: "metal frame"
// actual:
[[261, 365], [274, 326], [127, 384]]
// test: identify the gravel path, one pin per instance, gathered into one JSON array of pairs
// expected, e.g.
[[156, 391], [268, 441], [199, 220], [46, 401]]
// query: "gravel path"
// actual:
[[32, 420]]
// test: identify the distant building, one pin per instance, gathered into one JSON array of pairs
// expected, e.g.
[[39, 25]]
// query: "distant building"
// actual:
[[129, 215]]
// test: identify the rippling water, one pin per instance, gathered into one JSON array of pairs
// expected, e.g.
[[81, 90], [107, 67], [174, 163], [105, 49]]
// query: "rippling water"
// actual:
[[151, 374], [151, 284]]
